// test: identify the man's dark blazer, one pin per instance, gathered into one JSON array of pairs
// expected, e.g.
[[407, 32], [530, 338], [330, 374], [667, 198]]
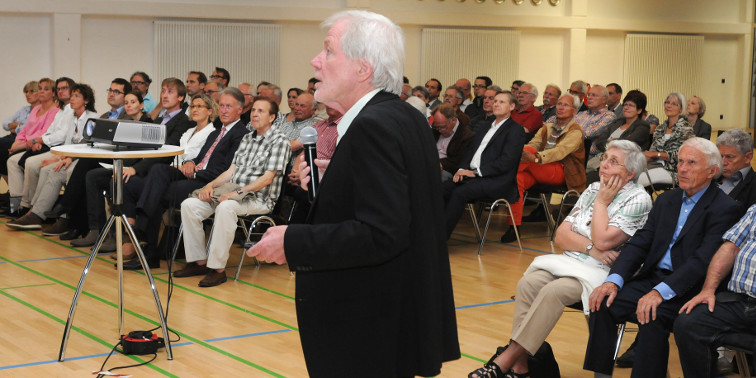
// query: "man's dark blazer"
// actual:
[[745, 191], [699, 239], [373, 283], [499, 161], [123, 115], [222, 155], [456, 148]]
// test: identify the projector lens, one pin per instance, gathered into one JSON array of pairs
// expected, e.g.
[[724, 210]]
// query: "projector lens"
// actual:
[[89, 129]]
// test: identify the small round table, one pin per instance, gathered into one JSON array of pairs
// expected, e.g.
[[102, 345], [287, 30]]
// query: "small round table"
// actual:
[[106, 151]]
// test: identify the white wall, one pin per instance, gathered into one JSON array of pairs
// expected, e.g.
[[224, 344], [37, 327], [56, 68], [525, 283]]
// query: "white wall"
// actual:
[[577, 39]]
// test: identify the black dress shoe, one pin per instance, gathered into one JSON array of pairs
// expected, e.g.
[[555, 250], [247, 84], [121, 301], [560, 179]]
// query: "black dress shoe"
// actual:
[[537, 215], [509, 236], [56, 211], [135, 264], [70, 235]]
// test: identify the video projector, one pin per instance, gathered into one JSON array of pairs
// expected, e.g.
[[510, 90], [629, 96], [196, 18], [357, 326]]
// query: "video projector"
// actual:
[[123, 133]]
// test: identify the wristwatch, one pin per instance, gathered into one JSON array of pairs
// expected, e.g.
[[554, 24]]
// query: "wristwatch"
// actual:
[[239, 191], [588, 248]]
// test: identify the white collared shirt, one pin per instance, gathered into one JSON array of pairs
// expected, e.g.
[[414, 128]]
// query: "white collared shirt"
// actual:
[[350, 114], [475, 163]]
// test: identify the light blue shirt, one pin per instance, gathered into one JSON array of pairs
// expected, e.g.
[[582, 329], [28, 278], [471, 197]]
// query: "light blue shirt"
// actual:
[[149, 103], [114, 114], [168, 116], [688, 203]]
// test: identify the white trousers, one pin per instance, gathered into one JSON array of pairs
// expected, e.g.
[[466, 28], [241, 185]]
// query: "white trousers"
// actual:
[[48, 190], [22, 182], [194, 211]]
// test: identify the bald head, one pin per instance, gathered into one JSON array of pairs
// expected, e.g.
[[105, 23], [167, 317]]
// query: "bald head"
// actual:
[[304, 107]]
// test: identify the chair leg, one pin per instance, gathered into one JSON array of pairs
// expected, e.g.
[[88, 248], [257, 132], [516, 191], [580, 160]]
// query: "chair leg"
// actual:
[[561, 207], [488, 221], [545, 203], [471, 210], [620, 333], [178, 240], [742, 362]]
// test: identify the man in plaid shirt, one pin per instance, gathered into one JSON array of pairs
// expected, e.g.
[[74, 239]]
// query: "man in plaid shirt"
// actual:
[[251, 185]]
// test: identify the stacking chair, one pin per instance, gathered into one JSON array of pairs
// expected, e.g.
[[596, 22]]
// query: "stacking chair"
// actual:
[[491, 205], [742, 344], [545, 192]]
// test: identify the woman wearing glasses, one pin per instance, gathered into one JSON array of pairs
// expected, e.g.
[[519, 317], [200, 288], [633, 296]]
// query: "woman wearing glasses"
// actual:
[[607, 214], [628, 127], [666, 141]]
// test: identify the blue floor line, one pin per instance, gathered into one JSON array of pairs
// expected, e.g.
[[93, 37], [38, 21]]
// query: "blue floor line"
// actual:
[[247, 335], [53, 258], [484, 304]]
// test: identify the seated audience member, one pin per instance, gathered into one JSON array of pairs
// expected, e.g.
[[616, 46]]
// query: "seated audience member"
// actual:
[[246, 90], [203, 111], [274, 93], [694, 112], [479, 89], [195, 83], [434, 88], [667, 139], [221, 76], [251, 185], [464, 86], [607, 214], [629, 127], [737, 180], [452, 139], [304, 111], [595, 120], [62, 90], [213, 89], [715, 312], [613, 103], [55, 170], [40, 119], [116, 93], [516, 87], [311, 85], [422, 93], [490, 164], [555, 156], [99, 180], [526, 114], [579, 88], [133, 107], [291, 97], [140, 83], [454, 96], [16, 122], [166, 186], [483, 120], [418, 104], [550, 96], [653, 121], [406, 92], [662, 266]]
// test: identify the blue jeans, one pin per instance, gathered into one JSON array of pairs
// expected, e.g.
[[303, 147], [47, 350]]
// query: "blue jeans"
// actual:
[[699, 333]]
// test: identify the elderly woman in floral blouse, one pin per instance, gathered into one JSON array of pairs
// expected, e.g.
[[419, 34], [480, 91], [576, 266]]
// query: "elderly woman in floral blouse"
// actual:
[[667, 139]]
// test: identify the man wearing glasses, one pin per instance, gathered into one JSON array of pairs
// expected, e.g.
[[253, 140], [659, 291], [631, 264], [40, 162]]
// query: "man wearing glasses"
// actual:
[[579, 88], [140, 82], [479, 89], [452, 139], [221, 76], [116, 94]]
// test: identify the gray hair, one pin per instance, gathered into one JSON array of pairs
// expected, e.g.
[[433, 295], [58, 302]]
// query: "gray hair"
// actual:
[[604, 91], [575, 100], [377, 40], [495, 88], [583, 86], [737, 138], [533, 91], [635, 160], [457, 89], [422, 89], [233, 92], [559, 90], [276, 91], [679, 97], [708, 148]]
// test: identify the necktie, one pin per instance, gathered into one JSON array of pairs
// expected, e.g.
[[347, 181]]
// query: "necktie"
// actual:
[[205, 159]]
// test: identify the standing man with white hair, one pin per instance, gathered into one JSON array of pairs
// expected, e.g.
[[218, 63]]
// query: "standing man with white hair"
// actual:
[[371, 261]]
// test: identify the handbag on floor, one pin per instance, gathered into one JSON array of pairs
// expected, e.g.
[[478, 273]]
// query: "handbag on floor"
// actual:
[[543, 364]]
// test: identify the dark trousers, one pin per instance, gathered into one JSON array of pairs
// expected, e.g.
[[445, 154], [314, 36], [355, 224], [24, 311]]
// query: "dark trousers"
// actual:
[[699, 333], [5, 144], [652, 348], [456, 197], [74, 200], [164, 187], [99, 182]]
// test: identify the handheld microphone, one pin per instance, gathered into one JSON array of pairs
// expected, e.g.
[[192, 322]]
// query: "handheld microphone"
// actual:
[[309, 136]]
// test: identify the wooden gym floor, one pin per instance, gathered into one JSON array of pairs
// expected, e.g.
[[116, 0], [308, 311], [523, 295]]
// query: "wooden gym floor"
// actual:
[[243, 328]]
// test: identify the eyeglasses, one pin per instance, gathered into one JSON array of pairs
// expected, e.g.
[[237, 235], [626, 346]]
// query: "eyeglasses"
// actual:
[[515, 88], [612, 162], [198, 107], [574, 92], [30, 91], [629, 105], [137, 82], [479, 86], [65, 88], [114, 91], [210, 91], [217, 77]]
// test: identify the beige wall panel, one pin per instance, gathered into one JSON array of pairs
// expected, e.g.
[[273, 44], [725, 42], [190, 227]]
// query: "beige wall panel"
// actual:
[[542, 55], [300, 42], [25, 41], [722, 98], [605, 53], [115, 47], [669, 10], [412, 55]]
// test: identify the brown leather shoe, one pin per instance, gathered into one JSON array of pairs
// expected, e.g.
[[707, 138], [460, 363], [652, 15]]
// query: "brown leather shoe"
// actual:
[[128, 250], [191, 269], [213, 278], [59, 228], [30, 221]]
